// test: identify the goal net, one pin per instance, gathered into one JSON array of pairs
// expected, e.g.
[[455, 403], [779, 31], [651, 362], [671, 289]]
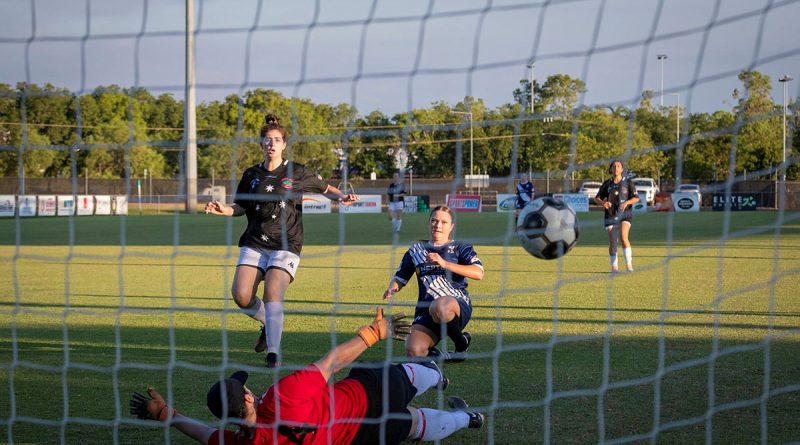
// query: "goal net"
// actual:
[[107, 286]]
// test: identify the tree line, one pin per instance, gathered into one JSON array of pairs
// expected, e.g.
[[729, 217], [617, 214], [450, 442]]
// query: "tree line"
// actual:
[[116, 132]]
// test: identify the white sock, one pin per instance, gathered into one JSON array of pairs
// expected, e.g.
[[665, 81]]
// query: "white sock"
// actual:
[[423, 378], [613, 260], [434, 424], [255, 310], [628, 253], [399, 224], [274, 325]]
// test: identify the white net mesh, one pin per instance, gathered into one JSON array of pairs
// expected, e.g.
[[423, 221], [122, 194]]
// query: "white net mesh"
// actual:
[[700, 344]]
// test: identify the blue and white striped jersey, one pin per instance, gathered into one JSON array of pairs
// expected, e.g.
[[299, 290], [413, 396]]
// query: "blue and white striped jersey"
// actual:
[[433, 280]]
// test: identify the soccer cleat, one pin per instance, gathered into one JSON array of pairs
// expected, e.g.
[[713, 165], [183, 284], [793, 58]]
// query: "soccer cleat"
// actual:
[[261, 343], [444, 382], [272, 360], [629, 267], [614, 269], [459, 356], [475, 419]]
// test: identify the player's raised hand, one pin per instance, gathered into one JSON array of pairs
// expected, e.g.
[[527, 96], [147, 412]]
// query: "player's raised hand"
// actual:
[[349, 199], [390, 291], [394, 326], [215, 208], [381, 328], [153, 407]]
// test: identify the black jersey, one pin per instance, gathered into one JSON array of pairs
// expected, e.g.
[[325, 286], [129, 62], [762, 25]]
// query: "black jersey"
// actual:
[[396, 192], [616, 193], [273, 203], [433, 280]]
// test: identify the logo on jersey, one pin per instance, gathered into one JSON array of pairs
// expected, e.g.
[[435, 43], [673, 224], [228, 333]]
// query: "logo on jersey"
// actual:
[[287, 183], [254, 182]]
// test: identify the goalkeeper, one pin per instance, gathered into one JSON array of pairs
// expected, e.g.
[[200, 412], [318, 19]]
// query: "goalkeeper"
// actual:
[[303, 408]]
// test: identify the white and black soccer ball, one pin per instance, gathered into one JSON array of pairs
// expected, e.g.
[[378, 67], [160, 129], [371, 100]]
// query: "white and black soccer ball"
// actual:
[[547, 228]]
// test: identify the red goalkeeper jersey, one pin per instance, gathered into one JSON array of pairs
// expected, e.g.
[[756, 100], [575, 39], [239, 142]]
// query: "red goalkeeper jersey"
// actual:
[[303, 399]]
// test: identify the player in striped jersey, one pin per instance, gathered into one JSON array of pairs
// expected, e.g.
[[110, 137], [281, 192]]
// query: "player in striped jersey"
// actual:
[[442, 266]]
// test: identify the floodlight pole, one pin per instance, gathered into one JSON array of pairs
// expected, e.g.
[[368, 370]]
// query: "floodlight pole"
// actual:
[[677, 118], [471, 139], [785, 81], [530, 66], [661, 58], [190, 118]]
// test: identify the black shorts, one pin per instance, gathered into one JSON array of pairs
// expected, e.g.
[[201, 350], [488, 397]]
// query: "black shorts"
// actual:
[[396, 427], [611, 219], [423, 318]]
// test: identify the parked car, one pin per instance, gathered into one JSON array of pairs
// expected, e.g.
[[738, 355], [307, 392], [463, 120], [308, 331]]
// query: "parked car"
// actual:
[[691, 188], [647, 186], [590, 189]]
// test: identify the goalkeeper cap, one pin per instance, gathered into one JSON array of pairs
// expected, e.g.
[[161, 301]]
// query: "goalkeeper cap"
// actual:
[[233, 389]]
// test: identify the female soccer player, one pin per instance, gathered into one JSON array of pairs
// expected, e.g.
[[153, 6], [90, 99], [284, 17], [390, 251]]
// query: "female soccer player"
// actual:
[[270, 194], [396, 193], [617, 195], [524, 193], [442, 266]]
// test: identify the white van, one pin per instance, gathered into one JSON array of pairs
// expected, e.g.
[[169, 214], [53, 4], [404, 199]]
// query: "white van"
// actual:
[[647, 186]]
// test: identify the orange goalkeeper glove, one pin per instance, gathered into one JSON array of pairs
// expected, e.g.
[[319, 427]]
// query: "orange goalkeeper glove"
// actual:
[[382, 327]]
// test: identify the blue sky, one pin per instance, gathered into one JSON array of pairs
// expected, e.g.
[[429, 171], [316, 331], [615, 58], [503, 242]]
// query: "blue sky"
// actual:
[[395, 55]]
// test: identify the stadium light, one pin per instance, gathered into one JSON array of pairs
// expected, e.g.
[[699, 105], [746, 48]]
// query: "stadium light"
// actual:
[[661, 58], [468, 113], [785, 81], [530, 67]]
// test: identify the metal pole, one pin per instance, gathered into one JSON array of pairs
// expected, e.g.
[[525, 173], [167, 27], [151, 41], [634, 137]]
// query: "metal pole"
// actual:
[[190, 124], [785, 81], [530, 65], [677, 119], [471, 140], [661, 58]]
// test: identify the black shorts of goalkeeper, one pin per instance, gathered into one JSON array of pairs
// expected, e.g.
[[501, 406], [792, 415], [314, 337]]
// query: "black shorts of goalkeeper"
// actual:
[[226, 397]]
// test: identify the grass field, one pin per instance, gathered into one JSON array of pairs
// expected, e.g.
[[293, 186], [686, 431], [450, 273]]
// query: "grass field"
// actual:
[[700, 344]]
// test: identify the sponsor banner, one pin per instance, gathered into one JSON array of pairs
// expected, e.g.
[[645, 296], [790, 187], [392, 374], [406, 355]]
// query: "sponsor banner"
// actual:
[[734, 202], [410, 204], [314, 203], [120, 205], [578, 201], [27, 205], [47, 205], [66, 205], [506, 202], [102, 205], [84, 205], [641, 206], [365, 204], [8, 203], [685, 202], [464, 203]]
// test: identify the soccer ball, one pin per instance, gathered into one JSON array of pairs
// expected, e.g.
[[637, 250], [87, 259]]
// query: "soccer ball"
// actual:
[[547, 228]]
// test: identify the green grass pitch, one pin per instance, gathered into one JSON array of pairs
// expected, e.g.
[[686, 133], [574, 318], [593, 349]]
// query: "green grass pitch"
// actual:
[[701, 342]]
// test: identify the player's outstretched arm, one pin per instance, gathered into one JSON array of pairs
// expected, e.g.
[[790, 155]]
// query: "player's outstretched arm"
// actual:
[[344, 198], [394, 287], [153, 407], [218, 208], [345, 353]]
